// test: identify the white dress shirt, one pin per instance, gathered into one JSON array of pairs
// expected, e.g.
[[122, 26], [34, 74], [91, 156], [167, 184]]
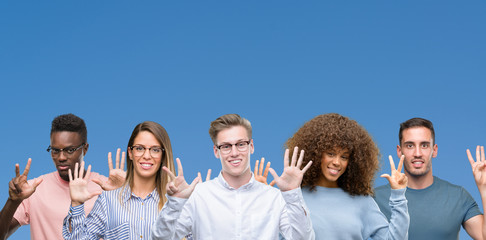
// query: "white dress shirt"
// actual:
[[217, 211]]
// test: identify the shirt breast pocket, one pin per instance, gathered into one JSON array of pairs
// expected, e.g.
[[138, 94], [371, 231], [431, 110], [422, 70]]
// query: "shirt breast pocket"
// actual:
[[121, 231]]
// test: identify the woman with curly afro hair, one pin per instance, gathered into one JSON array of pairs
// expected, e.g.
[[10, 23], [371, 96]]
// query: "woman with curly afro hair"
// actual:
[[338, 186]]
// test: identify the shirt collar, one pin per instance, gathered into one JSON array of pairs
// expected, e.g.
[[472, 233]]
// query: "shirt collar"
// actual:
[[127, 194], [225, 184]]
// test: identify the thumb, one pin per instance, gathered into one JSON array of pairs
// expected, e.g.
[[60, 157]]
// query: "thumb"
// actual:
[[274, 174], [388, 177], [95, 193], [37, 182], [195, 182], [98, 181], [272, 183]]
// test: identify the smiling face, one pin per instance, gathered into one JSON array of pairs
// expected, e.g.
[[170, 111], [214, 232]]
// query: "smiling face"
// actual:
[[147, 164], [333, 165], [419, 149], [63, 160], [235, 164]]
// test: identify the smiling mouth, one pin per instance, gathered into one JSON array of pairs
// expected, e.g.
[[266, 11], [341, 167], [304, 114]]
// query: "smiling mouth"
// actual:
[[235, 162], [418, 163], [333, 171], [146, 166]]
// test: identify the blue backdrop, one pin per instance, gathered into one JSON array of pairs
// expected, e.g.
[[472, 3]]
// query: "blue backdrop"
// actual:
[[277, 63]]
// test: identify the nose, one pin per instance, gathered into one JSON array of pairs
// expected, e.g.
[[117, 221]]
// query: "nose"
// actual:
[[62, 156], [336, 162], [146, 154], [417, 153], [234, 150]]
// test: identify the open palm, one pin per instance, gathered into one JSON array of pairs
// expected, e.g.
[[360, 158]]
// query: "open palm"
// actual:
[[78, 185], [117, 175], [292, 175]]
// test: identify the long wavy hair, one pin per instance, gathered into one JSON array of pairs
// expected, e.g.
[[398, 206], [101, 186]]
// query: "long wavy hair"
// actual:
[[330, 131]]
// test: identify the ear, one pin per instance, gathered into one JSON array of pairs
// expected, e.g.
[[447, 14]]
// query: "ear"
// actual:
[[85, 148], [252, 147], [434, 154], [399, 151], [129, 154], [216, 152]]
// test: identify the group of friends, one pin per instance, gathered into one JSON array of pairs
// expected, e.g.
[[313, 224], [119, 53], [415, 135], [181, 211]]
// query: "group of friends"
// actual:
[[324, 192]]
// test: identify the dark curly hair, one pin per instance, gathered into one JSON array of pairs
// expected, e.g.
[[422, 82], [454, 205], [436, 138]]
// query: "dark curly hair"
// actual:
[[70, 123], [327, 132]]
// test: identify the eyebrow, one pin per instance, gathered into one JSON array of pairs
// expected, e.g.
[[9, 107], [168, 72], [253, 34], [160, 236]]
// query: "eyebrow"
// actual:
[[146, 146], [410, 142], [237, 141]]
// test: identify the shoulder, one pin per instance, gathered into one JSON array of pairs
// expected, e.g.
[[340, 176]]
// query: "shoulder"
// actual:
[[383, 191], [265, 190], [47, 177], [443, 185], [382, 188], [50, 183]]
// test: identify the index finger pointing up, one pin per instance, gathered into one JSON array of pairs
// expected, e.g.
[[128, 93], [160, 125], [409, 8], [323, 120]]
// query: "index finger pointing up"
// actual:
[[392, 163], [171, 175], [110, 161], [179, 168]]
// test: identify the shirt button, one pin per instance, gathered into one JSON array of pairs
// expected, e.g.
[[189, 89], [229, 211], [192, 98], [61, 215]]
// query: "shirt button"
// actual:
[[140, 236]]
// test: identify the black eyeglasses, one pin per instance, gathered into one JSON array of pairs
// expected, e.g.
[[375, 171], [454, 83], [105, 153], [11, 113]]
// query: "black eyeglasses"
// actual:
[[68, 151], [242, 146]]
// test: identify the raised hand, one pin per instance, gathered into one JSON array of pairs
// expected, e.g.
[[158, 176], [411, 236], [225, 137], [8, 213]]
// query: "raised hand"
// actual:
[[478, 167], [258, 172], [18, 188], [398, 180], [292, 175], [78, 185], [117, 175], [178, 186]]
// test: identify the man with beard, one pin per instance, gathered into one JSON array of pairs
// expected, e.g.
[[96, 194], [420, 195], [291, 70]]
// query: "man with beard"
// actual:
[[44, 206], [437, 208]]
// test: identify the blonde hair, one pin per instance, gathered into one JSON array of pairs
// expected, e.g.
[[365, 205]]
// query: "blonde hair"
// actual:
[[228, 121]]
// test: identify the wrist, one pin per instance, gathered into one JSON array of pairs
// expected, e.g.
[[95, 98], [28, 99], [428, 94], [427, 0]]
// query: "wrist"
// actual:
[[15, 200], [76, 203]]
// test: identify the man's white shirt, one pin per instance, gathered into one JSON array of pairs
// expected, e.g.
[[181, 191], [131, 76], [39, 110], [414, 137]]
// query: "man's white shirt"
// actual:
[[217, 211]]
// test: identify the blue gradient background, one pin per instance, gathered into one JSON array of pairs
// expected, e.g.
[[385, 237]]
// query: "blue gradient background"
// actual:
[[277, 63]]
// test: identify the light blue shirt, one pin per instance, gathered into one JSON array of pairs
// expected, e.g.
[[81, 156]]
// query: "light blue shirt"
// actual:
[[337, 215], [117, 214]]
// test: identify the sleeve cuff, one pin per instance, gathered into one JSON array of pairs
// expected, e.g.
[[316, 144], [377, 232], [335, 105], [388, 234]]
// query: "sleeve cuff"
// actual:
[[175, 202], [397, 194], [76, 211], [293, 196]]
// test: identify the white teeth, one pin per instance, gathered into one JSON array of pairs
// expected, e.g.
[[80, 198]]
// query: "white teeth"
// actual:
[[333, 171], [235, 161], [146, 164]]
